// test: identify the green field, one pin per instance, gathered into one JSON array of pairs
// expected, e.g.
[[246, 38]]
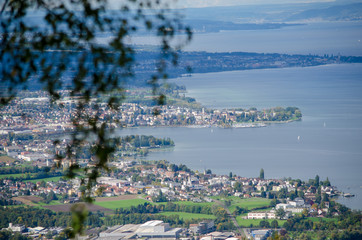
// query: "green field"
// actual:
[[189, 203], [246, 222], [188, 216], [249, 203], [121, 203], [12, 175], [16, 175], [51, 179]]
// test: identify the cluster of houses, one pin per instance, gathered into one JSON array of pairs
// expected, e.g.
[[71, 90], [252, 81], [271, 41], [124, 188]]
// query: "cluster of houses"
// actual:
[[292, 206], [177, 185]]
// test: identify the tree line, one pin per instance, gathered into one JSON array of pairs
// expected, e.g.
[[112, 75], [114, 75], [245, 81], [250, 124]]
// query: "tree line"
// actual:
[[137, 141], [168, 207]]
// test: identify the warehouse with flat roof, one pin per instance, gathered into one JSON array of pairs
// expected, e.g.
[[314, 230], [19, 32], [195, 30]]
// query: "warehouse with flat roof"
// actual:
[[150, 229]]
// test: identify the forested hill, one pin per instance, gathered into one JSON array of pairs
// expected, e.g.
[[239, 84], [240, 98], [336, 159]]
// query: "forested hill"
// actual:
[[203, 62]]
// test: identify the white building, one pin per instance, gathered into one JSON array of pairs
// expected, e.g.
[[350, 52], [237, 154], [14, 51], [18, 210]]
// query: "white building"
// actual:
[[150, 229], [298, 202], [157, 229], [16, 227], [262, 215]]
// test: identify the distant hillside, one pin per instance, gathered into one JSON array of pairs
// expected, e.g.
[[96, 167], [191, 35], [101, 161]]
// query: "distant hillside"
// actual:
[[204, 26], [351, 12], [326, 11]]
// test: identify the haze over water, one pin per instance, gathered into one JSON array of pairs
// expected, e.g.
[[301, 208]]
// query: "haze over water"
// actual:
[[320, 38]]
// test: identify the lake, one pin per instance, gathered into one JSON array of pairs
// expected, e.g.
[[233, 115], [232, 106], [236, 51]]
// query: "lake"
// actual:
[[330, 98], [320, 38]]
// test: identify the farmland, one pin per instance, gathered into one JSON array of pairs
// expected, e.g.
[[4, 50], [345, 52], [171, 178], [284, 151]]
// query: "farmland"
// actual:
[[6, 159], [28, 200]]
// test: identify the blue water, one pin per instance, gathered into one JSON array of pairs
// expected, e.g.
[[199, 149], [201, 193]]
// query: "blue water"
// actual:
[[330, 98], [320, 38]]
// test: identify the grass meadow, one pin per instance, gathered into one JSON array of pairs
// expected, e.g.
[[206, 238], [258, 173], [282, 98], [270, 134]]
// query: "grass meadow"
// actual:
[[120, 203], [247, 222]]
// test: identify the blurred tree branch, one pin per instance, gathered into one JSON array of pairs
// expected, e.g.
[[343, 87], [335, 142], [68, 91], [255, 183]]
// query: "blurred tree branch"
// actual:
[[62, 52]]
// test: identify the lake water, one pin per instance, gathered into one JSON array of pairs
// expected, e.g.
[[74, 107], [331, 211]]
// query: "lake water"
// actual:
[[343, 38], [330, 144]]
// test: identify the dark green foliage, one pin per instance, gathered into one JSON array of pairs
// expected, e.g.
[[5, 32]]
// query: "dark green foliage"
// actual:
[[272, 114], [280, 213], [25, 169], [7, 235], [145, 212], [274, 224], [264, 224], [168, 207], [160, 198], [146, 141], [348, 225], [316, 181], [238, 187], [240, 210], [33, 217]]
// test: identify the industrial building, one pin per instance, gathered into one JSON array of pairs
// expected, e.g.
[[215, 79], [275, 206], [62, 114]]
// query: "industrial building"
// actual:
[[150, 229]]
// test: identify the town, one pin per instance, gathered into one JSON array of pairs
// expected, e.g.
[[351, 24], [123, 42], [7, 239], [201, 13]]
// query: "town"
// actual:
[[29, 114], [138, 198], [163, 188]]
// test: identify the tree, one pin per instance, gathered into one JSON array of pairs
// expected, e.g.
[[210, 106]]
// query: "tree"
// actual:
[[228, 203], [51, 196], [263, 194], [264, 224], [327, 183], [63, 46], [238, 186], [280, 213], [316, 181], [261, 176], [274, 224], [305, 213]]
